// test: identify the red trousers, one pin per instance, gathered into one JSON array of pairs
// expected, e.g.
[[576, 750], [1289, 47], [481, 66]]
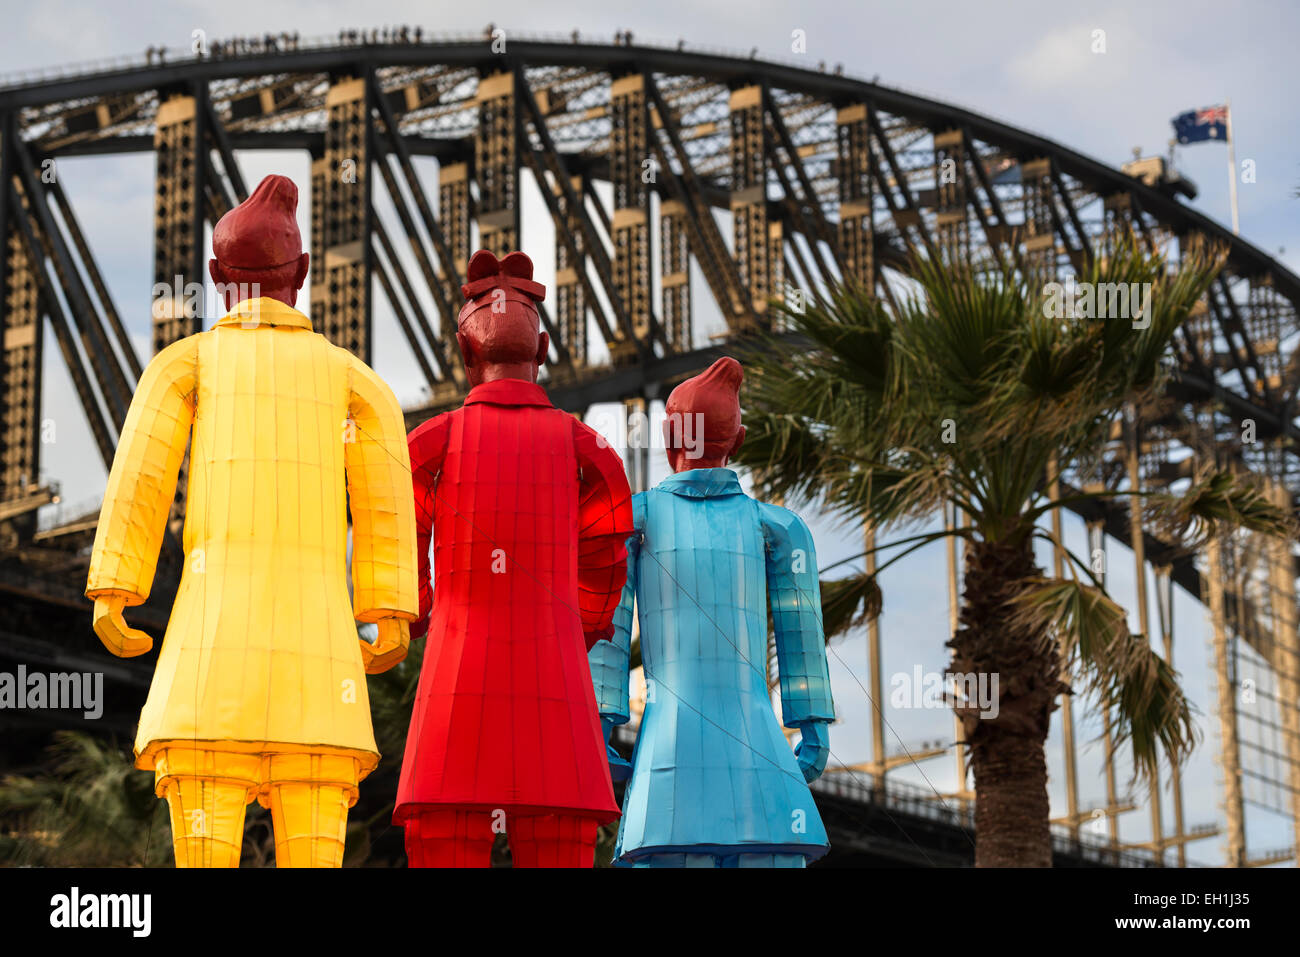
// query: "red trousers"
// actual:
[[452, 838]]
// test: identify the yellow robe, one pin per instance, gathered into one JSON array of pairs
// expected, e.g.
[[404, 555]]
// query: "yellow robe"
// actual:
[[261, 652]]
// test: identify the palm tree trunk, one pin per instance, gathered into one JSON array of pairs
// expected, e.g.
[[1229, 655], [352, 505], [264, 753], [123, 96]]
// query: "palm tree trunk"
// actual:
[[1007, 748], [1011, 807]]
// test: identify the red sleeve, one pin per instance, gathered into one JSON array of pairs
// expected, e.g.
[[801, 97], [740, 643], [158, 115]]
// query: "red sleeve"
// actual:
[[427, 444], [604, 524]]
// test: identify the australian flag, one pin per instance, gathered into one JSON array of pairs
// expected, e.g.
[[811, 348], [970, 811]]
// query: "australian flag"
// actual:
[[1197, 126]]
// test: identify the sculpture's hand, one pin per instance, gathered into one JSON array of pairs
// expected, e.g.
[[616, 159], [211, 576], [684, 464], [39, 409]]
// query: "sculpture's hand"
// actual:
[[813, 749], [389, 648], [619, 769], [118, 637]]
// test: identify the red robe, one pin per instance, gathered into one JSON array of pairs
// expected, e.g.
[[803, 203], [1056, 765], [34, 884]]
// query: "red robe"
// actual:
[[530, 511]]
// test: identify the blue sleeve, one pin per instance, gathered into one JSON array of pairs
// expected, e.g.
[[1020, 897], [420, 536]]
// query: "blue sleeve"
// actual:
[[610, 659], [795, 596]]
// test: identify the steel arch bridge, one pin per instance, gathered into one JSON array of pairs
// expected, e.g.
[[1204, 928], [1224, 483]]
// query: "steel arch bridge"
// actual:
[[678, 183]]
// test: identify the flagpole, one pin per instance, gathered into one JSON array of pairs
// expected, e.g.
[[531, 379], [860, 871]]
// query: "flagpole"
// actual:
[[1232, 172]]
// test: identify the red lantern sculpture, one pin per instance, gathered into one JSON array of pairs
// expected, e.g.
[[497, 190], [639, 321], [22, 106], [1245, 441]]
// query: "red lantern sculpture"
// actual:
[[528, 510]]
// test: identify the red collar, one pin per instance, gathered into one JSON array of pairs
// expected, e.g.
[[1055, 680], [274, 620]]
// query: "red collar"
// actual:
[[508, 392]]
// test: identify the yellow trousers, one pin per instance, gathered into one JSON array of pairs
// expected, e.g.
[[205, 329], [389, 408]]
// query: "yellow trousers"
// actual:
[[207, 790]]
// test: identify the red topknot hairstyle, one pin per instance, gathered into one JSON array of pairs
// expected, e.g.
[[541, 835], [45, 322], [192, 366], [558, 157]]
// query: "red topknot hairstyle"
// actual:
[[714, 395], [262, 231], [500, 313]]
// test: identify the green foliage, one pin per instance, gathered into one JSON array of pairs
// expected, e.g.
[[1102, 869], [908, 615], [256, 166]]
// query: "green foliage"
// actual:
[[848, 603], [1215, 501], [91, 809]]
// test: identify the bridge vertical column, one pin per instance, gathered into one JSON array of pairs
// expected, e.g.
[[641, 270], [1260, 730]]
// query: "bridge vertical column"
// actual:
[[22, 320], [1097, 555], [1286, 653], [180, 239], [341, 211], [1165, 609], [455, 214], [1117, 216], [875, 678], [1038, 237], [1137, 537], [630, 228], [570, 304], [1067, 706], [637, 420], [454, 217], [757, 235], [495, 164], [853, 137], [1224, 671], [20, 398], [856, 229], [951, 216], [676, 252], [179, 208], [320, 174], [855, 234]]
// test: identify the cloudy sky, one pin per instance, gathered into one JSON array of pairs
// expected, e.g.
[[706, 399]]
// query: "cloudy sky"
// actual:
[[1030, 63]]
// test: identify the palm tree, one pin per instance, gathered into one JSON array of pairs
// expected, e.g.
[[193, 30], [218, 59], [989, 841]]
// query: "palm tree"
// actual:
[[967, 390]]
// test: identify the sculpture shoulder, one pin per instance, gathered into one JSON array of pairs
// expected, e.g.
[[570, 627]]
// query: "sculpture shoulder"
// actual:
[[439, 425], [782, 526], [179, 352], [175, 365], [584, 434], [366, 383], [428, 441], [593, 448], [356, 367]]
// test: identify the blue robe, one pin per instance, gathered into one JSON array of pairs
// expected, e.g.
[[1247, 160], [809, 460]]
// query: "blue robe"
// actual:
[[712, 773]]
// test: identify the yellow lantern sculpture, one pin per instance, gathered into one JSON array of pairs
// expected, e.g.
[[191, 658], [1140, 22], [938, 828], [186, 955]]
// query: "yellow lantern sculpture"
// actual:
[[260, 688]]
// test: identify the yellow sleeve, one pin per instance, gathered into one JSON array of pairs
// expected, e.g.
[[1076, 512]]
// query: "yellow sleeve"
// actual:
[[381, 500], [142, 482]]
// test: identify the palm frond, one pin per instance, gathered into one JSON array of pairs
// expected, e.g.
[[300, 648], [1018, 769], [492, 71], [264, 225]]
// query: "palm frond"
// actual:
[[1216, 500], [848, 603], [1137, 687]]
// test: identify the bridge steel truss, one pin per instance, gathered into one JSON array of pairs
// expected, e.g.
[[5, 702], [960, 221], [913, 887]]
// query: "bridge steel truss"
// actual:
[[685, 192]]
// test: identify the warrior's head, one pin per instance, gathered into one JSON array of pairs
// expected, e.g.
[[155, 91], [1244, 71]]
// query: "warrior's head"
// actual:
[[702, 427], [498, 327], [258, 248]]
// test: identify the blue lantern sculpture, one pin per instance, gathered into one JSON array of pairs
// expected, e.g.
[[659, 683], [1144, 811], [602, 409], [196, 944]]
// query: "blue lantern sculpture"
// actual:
[[713, 782]]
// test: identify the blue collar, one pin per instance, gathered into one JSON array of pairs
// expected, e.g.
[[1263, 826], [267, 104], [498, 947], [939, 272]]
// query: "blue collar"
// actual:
[[702, 483]]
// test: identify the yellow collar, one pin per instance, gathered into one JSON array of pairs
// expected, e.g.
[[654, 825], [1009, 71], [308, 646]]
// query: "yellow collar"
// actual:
[[264, 311]]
